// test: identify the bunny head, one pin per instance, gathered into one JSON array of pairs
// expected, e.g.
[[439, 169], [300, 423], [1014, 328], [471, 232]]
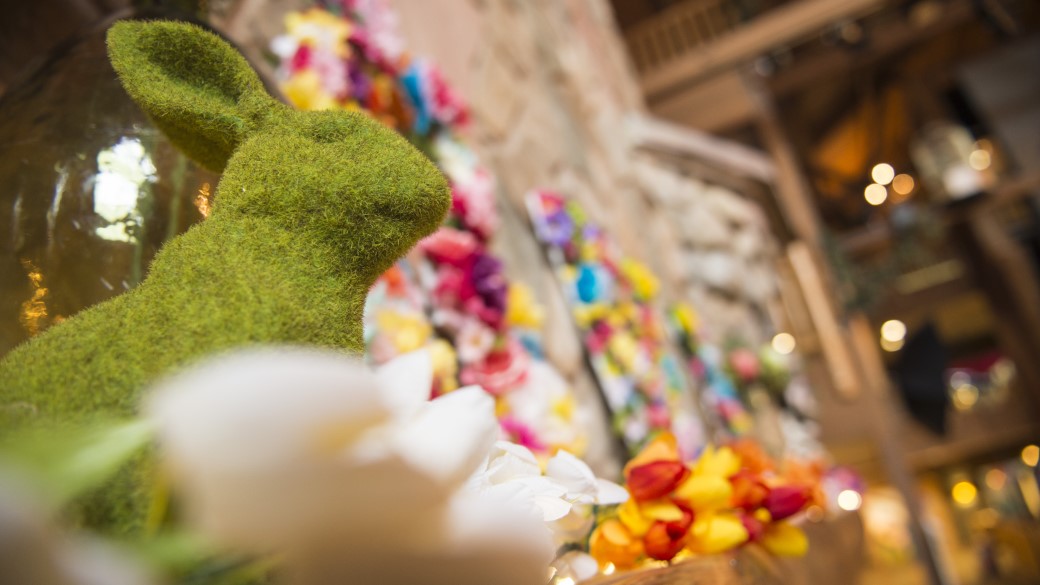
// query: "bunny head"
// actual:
[[339, 176]]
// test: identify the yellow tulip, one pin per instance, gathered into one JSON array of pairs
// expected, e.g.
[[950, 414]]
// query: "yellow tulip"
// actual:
[[705, 492], [716, 533], [717, 462], [632, 517], [784, 539]]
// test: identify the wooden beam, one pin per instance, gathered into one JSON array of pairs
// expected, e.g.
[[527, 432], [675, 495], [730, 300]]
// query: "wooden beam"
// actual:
[[656, 134], [881, 44], [782, 25]]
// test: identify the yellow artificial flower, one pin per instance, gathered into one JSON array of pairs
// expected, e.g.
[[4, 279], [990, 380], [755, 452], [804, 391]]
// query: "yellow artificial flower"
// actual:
[[316, 26], [522, 310], [632, 517], [625, 349], [705, 492], [686, 317], [644, 283], [714, 462], [586, 315], [564, 407], [304, 90], [784, 539], [445, 366], [407, 332], [716, 533]]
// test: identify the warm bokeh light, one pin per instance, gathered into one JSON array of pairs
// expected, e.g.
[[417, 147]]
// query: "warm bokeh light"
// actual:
[[565, 581], [849, 500], [1031, 455], [783, 343], [609, 569], [903, 184], [882, 173], [995, 479], [888, 345], [893, 330], [965, 396], [979, 160], [875, 194], [964, 493]]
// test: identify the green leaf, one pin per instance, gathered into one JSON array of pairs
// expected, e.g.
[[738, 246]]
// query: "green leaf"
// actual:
[[66, 462]]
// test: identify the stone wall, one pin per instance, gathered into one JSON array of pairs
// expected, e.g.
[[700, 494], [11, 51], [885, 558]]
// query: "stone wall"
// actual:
[[550, 86]]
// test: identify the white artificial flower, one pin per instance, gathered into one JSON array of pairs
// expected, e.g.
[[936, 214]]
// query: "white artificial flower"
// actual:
[[280, 448], [513, 474], [356, 476], [583, 487]]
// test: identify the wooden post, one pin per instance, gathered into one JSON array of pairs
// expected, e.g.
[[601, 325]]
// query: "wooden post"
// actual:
[[858, 358]]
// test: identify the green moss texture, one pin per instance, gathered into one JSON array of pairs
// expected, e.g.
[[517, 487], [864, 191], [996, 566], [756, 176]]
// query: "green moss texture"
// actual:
[[311, 209]]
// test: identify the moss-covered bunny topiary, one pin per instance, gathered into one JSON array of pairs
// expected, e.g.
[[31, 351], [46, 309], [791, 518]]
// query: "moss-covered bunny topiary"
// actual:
[[311, 208]]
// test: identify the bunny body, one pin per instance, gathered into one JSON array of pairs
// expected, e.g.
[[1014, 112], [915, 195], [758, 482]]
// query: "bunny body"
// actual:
[[312, 207]]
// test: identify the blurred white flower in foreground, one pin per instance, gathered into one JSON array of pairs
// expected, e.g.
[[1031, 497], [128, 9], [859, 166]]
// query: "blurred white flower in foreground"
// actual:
[[33, 551], [353, 474]]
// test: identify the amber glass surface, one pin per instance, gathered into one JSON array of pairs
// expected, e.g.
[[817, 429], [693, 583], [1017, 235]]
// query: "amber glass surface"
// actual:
[[89, 190]]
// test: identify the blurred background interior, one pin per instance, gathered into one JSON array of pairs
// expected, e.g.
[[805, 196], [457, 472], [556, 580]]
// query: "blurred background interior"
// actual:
[[890, 149]]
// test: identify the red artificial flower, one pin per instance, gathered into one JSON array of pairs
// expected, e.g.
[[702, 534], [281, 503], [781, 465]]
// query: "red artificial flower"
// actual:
[[664, 540], [755, 528], [785, 501], [655, 479]]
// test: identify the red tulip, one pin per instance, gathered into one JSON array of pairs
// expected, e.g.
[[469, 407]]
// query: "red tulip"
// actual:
[[655, 479], [664, 540], [786, 501], [754, 527]]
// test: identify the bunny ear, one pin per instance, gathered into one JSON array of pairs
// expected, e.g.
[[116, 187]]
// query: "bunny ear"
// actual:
[[196, 87]]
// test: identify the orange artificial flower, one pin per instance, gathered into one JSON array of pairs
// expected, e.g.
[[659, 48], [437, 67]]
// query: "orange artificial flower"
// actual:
[[749, 491], [611, 542], [752, 457]]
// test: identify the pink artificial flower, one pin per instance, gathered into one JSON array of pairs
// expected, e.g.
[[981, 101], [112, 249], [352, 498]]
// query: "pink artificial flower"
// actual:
[[301, 59], [473, 341], [474, 203], [453, 287], [744, 363], [658, 416], [501, 370], [522, 434], [446, 106], [332, 71], [450, 246]]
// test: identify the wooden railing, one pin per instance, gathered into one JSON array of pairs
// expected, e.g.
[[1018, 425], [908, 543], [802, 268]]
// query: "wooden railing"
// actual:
[[694, 38], [678, 30]]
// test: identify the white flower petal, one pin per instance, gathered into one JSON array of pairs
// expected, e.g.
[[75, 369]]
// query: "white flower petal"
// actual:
[[450, 436], [608, 493], [406, 380], [573, 474], [511, 461], [260, 408]]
